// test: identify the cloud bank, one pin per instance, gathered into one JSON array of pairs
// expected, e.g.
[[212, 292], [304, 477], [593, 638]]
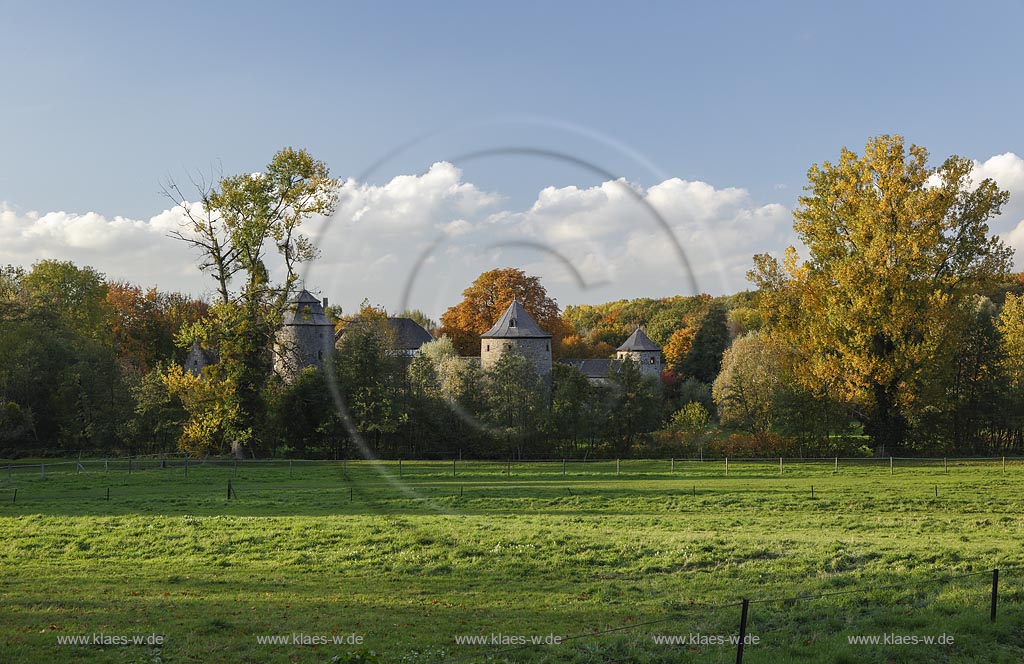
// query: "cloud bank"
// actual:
[[419, 240]]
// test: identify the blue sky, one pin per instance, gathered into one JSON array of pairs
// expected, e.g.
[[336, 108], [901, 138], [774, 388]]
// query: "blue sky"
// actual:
[[102, 101]]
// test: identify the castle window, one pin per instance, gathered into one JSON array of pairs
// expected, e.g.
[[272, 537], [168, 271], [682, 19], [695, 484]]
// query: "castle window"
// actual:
[[512, 322], [547, 346], [488, 348], [652, 360]]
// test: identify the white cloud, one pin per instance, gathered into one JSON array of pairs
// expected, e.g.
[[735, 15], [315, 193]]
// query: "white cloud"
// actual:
[[130, 249], [419, 240], [1007, 170]]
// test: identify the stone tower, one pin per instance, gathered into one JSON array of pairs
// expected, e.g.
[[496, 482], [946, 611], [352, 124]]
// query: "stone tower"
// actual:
[[306, 337], [515, 329], [640, 349]]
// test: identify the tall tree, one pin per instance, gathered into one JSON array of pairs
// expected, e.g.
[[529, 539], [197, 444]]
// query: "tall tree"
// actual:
[[704, 359], [747, 387], [234, 227], [897, 249], [488, 297]]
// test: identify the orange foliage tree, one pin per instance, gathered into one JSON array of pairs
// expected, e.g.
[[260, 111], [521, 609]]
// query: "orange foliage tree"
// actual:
[[678, 347], [488, 297]]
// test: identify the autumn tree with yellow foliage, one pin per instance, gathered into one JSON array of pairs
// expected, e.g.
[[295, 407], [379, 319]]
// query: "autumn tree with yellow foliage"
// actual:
[[897, 250]]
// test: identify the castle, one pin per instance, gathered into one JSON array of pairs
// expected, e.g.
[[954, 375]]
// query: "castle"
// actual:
[[307, 338]]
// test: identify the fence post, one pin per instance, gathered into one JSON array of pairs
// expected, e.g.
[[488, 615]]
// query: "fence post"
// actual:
[[945, 470], [42, 470], [15, 499], [563, 467], [508, 467], [995, 594], [726, 465], [743, 630], [108, 493], [129, 464], [780, 465], [890, 465], [229, 489], [616, 466], [106, 467], [673, 465], [837, 466], [399, 469], [1004, 464]]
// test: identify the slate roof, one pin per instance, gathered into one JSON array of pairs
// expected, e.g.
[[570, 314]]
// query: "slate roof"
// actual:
[[592, 368], [305, 309], [515, 323], [639, 341], [407, 333]]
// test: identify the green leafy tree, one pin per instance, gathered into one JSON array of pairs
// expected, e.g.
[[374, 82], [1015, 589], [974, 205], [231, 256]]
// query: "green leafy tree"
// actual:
[[234, 227], [515, 397], [747, 388], [634, 407], [704, 359]]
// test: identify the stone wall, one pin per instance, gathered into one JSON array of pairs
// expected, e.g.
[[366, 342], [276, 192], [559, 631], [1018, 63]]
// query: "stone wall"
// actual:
[[649, 360], [538, 351], [301, 346]]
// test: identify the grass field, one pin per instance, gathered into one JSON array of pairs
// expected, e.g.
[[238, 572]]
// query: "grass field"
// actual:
[[409, 564]]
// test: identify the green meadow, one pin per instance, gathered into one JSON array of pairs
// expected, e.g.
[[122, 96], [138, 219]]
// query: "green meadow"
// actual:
[[400, 564]]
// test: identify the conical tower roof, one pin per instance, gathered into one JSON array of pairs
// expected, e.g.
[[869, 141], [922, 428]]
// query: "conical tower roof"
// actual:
[[639, 341], [305, 309], [515, 323]]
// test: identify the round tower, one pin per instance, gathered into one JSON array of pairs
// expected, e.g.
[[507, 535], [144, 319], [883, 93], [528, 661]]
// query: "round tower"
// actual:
[[517, 330], [640, 349], [306, 337]]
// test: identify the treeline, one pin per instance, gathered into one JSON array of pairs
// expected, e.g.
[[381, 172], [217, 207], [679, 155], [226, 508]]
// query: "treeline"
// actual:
[[75, 353], [901, 331]]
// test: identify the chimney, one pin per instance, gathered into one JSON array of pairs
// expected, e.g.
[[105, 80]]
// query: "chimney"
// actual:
[[325, 304]]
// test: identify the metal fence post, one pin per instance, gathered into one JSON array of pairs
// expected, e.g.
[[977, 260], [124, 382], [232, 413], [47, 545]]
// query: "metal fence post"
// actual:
[[743, 631], [890, 465], [995, 594]]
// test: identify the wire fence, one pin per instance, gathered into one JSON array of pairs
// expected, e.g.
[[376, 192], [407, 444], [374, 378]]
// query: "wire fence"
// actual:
[[597, 467], [985, 598]]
